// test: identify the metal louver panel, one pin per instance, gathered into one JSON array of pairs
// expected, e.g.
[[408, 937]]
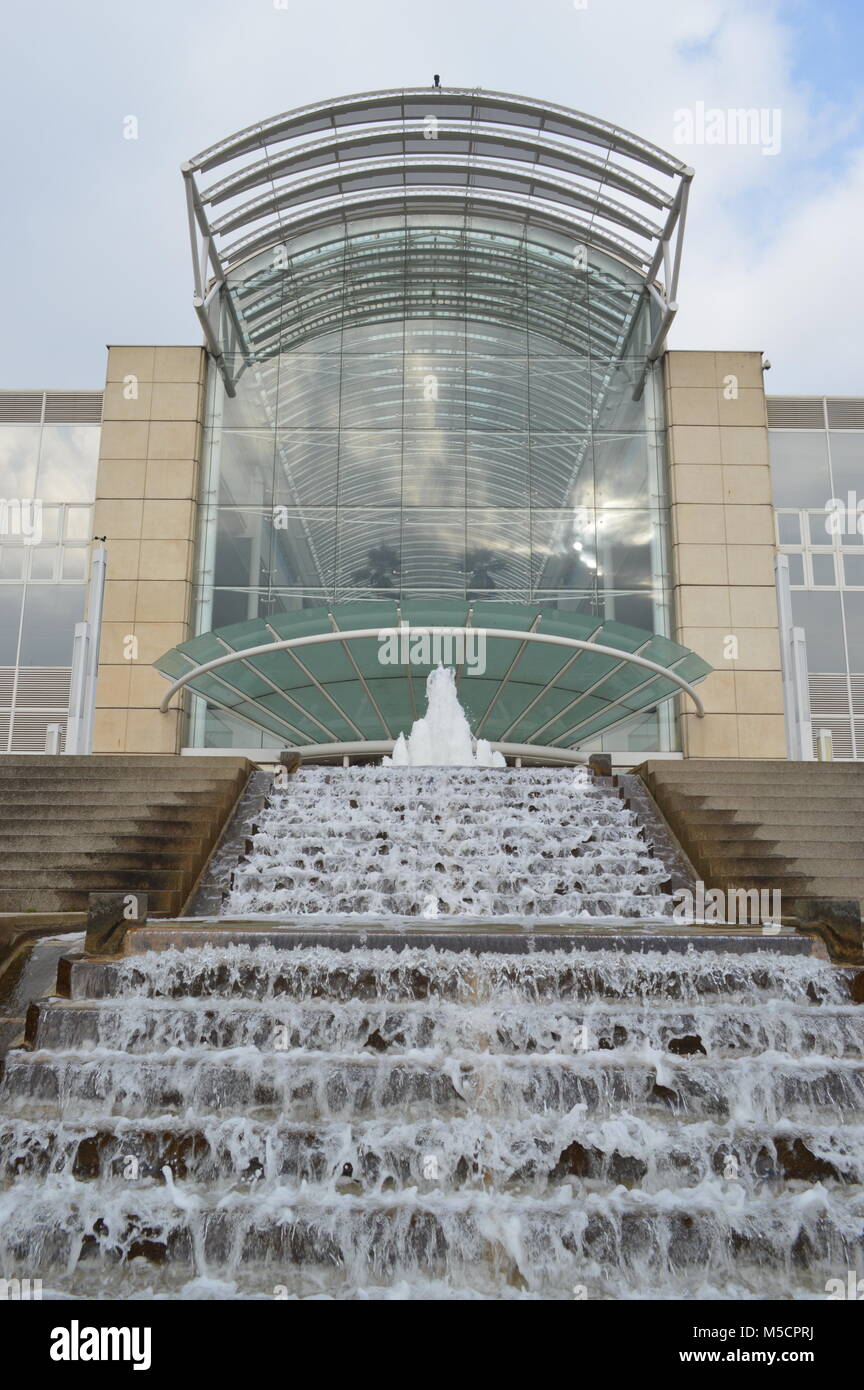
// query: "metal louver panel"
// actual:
[[73, 407], [43, 687], [795, 413], [829, 697], [857, 684], [846, 413], [841, 735], [21, 407], [29, 728]]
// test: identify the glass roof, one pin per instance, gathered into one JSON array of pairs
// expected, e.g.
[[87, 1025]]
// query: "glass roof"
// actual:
[[334, 196]]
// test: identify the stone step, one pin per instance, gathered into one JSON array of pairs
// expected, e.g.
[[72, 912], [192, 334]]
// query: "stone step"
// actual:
[[163, 761], [782, 868], [113, 793], [25, 860], [68, 820], [706, 826], [160, 902], [788, 851], [757, 770], [90, 880], [57, 839], [762, 806]]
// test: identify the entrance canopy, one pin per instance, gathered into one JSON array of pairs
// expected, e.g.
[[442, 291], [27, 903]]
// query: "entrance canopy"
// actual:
[[350, 678]]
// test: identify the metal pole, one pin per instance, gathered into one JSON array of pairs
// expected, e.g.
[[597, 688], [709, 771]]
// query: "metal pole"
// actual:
[[77, 685], [802, 696], [94, 623]]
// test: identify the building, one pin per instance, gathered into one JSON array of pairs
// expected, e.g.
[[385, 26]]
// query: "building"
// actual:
[[434, 390]]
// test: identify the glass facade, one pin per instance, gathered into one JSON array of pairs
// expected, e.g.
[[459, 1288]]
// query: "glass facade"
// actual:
[[818, 479], [47, 488], [436, 412]]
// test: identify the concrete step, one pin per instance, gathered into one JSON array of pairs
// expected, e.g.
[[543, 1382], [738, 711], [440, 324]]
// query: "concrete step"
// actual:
[[759, 806], [793, 833], [88, 880], [64, 819], [145, 787], [161, 902], [113, 793], [53, 842], [124, 760], [122, 771], [767, 770], [24, 860], [787, 851], [781, 867]]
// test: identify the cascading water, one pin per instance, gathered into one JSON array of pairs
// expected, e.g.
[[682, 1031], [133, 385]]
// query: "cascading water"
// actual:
[[234, 1121], [258, 1111], [442, 738]]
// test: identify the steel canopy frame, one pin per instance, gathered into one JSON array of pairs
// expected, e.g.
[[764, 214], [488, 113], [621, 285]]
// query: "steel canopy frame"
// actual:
[[384, 141], [405, 629]]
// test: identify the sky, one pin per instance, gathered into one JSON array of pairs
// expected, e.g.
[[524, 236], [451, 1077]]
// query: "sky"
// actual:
[[93, 231]]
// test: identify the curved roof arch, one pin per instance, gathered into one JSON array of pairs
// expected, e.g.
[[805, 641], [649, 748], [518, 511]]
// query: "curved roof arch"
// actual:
[[417, 153]]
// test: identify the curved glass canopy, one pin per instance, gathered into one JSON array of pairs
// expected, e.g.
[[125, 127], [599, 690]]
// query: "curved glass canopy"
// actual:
[[338, 195], [347, 681]]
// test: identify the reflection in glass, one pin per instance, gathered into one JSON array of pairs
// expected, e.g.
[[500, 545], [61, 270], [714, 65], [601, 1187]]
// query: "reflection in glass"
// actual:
[[799, 468], [823, 570], [48, 629], [11, 596], [853, 608], [847, 462], [68, 461], [820, 616], [788, 528]]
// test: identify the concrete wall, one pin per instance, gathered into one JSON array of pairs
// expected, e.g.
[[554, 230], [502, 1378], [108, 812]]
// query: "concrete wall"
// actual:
[[146, 505], [723, 549]]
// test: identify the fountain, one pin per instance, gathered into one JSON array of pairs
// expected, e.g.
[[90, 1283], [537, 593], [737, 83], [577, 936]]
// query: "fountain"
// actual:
[[363, 1106], [442, 738]]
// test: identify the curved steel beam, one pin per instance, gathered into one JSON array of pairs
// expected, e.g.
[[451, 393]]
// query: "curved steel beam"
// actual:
[[512, 634]]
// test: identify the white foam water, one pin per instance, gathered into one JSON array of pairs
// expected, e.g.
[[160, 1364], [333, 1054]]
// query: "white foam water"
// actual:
[[307, 1122], [418, 842], [442, 737]]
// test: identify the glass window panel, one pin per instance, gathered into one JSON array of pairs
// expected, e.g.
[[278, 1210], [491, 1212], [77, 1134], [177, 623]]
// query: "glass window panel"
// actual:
[[562, 471], [433, 552], [11, 596], [370, 468], [853, 607], [498, 554], [232, 606], [847, 462], [613, 406], [560, 395], [68, 461], [44, 562], [623, 473], [819, 529], [853, 570], [12, 558], [369, 551], [371, 393], [79, 523], [309, 392], [243, 541], [497, 393], [788, 528], [50, 614], [434, 392], [307, 468], [820, 616], [625, 545], [799, 468], [433, 469], [303, 550], [564, 549], [246, 467], [796, 567], [19, 453], [498, 469], [823, 570], [75, 564]]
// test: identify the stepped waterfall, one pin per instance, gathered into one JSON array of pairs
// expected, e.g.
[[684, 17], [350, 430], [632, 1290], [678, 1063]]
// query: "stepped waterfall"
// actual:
[[343, 1089]]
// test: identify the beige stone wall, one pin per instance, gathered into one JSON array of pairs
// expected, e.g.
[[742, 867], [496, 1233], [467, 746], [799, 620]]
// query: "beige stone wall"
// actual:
[[722, 538], [146, 494]]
